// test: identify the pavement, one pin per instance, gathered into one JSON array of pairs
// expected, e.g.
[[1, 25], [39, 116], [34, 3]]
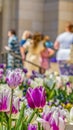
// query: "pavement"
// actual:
[[54, 67]]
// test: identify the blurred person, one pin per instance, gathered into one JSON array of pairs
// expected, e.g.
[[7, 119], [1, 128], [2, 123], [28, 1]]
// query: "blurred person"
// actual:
[[25, 36], [62, 45], [34, 48], [48, 42], [46, 54], [13, 45]]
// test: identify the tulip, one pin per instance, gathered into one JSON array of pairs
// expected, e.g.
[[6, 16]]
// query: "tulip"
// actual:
[[55, 119], [57, 122], [44, 123], [71, 114], [29, 82], [5, 101], [68, 84], [35, 74], [2, 66], [25, 70], [36, 97], [32, 127], [14, 78], [51, 121], [1, 73]]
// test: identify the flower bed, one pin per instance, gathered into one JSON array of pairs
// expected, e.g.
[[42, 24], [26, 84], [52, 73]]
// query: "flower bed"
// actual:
[[42, 102]]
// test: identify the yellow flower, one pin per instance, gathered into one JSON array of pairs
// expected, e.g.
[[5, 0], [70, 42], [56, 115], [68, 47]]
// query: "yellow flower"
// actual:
[[69, 105], [63, 105], [40, 110]]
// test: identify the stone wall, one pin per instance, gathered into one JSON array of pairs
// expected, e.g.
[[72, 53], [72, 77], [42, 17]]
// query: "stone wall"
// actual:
[[9, 18], [46, 16], [65, 13], [31, 15], [38, 15], [0, 6]]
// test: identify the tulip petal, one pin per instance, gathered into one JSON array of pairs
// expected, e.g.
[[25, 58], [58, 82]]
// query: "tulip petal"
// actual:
[[5, 101], [15, 105], [36, 97], [43, 98], [71, 114], [61, 124], [44, 123], [48, 116], [53, 125], [30, 99], [0, 101], [36, 94], [32, 127]]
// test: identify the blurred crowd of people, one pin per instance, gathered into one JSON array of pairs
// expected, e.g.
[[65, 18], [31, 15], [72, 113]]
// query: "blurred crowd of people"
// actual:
[[36, 49]]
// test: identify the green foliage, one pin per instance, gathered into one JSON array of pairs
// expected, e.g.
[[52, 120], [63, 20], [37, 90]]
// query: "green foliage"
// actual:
[[20, 119], [50, 89]]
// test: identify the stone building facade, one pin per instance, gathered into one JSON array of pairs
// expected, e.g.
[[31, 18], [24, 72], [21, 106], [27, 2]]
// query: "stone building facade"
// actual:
[[46, 16]]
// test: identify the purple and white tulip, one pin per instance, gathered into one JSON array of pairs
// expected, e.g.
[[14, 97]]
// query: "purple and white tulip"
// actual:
[[36, 97], [55, 119], [1, 73], [14, 78], [25, 70], [32, 127], [2, 66]]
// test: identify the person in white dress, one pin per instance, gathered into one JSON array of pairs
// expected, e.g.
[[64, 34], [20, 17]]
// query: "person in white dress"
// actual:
[[62, 45]]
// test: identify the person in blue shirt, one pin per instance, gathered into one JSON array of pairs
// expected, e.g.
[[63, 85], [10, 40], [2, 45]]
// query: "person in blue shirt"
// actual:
[[13, 45], [22, 42], [26, 36], [48, 42]]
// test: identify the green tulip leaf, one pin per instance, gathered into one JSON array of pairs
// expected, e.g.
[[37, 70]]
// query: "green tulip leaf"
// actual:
[[21, 116]]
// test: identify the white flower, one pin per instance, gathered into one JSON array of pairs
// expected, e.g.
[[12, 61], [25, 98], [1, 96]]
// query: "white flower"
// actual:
[[61, 124], [44, 123]]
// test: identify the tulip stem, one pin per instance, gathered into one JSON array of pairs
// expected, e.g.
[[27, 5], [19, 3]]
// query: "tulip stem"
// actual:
[[39, 126], [2, 121], [31, 117], [10, 120]]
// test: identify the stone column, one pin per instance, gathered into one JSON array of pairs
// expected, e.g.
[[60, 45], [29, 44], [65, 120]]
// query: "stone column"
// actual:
[[10, 17], [31, 15], [5, 21], [51, 18], [0, 6], [65, 13]]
